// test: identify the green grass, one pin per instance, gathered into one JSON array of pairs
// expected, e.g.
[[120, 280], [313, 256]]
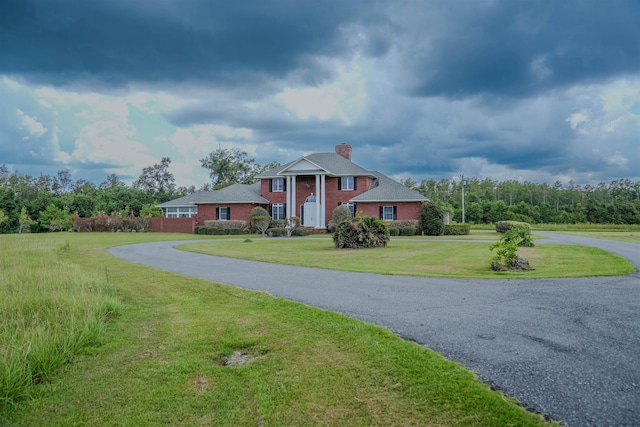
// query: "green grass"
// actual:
[[421, 257], [159, 362], [628, 236]]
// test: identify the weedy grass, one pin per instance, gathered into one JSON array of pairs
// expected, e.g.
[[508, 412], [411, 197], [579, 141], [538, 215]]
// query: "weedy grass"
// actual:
[[420, 256], [173, 350]]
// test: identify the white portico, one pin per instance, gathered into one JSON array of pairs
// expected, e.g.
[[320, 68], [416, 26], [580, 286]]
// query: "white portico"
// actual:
[[309, 179]]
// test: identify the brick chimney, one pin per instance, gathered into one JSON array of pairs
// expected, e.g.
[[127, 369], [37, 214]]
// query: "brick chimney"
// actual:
[[344, 150]]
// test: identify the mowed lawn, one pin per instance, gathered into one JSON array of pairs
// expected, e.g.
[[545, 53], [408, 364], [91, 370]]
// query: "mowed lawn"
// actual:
[[169, 352], [420, 256]]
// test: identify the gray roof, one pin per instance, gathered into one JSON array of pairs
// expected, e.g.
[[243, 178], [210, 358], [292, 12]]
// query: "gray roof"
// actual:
[[385, 189], [331, 163], [235, 193]]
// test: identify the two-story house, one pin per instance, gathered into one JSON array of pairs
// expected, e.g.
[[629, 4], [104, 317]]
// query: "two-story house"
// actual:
[[309, 188]]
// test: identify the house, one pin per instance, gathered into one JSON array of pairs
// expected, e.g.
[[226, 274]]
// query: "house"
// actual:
[[309, 188]]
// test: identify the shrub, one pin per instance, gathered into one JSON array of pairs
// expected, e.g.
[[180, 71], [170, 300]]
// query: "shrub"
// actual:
[[277, 232], [300, 232], [339, 214], [507, 249], [366, 232], [235, 231], [228, 224], [278, 223], [394, 231], [457, 229], [504, 226], [408, 231], [431, 219]]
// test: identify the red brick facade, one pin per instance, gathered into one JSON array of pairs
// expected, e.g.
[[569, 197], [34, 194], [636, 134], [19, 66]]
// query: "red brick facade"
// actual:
[[404, 210], [237, 211]]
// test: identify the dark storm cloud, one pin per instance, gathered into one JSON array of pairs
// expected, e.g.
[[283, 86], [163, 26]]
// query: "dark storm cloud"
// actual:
[[517, 48], [118, 42]]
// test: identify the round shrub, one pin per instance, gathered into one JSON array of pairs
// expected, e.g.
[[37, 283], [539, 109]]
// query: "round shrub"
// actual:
[[339, 214], [394, 231], [299, 232]]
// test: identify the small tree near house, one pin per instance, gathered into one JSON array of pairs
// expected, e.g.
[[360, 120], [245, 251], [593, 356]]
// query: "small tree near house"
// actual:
[[260, 220]]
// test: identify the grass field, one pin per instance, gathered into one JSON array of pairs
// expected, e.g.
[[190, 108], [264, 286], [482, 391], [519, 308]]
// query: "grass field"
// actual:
[[163, 350], [420, 256]]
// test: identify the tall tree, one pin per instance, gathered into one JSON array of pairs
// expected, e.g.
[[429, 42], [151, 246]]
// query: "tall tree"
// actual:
[[157, 181], [230, 166]]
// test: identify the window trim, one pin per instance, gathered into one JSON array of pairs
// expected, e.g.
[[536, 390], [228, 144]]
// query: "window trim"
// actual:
[[277, 185], [220, 210], [384, 213], [350, 181], [275, 208]]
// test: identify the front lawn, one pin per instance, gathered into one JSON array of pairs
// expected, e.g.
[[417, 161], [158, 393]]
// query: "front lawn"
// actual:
[[166, 351], [419, 256]]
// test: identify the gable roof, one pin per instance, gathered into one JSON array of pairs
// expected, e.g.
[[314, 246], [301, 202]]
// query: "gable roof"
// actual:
[[233, 194], [332, 164], [385, 189]]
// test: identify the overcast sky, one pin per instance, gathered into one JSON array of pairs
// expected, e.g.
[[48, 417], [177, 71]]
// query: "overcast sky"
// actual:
[[529, 90]]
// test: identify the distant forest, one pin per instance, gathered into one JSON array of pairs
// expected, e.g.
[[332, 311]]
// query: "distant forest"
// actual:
[[48, 203]]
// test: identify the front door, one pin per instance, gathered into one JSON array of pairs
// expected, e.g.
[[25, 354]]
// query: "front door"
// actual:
[[308, 212]]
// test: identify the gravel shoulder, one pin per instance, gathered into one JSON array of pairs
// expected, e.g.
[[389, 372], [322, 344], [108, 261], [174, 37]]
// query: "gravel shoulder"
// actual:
[[567, 348]]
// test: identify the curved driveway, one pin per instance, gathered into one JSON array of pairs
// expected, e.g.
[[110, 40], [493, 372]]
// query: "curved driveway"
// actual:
[[568, 348]]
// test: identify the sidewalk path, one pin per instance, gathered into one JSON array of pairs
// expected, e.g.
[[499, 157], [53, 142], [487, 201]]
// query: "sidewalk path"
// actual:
[[569, 348]]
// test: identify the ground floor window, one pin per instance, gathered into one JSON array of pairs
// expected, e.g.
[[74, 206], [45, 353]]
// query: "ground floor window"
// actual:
[[388, 213], [352, 208], [181, 212], [223, 214], [278, 211]]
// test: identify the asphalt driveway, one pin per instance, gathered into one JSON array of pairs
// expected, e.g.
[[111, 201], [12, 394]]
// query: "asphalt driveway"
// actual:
[[568, 348]]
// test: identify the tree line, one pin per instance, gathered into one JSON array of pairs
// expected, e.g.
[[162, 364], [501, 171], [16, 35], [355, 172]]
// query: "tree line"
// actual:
[[488, 201], [48, 203]]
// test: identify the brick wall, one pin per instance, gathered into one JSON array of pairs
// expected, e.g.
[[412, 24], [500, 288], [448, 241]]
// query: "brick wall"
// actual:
[[405, 210], [240, 212]]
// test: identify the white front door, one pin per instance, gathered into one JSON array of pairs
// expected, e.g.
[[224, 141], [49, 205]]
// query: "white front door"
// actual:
[[309, 214]]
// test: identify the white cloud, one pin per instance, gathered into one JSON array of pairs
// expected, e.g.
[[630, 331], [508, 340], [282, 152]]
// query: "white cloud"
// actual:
[[30, 124], [344, 99], [579, 121], [617, 160]]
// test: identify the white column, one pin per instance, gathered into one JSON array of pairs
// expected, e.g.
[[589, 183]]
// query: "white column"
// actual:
[[317, 201], [323, 208], [294, 205], [288, 198]]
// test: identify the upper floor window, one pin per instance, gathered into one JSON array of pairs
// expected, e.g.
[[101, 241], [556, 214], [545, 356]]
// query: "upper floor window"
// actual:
[[347, 183], [277, 185]]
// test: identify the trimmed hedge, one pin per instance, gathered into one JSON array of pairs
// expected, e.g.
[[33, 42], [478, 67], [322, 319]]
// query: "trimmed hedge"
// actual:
[[228, 224], [218, 231], [407, 231], [457, 229], [394, 231], [299, 232], [504, 226], [277, 232]]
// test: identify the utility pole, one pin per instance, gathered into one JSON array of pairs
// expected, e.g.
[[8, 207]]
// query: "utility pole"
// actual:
[[462, 179]]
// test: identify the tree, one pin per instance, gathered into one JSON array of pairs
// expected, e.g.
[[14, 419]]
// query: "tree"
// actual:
[[260, 219], [55, 219], [25, 221], [150, 210], [157, 181], [230, 166], [3, 217], [431, 219]]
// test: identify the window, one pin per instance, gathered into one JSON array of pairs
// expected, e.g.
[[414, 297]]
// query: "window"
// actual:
[[352, 208], [388, 213], [277, 185], [278, 211], [181, 212], [223, 214], [347, 183]]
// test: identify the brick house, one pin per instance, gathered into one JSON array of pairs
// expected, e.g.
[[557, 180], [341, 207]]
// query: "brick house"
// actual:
[[309, 188]]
